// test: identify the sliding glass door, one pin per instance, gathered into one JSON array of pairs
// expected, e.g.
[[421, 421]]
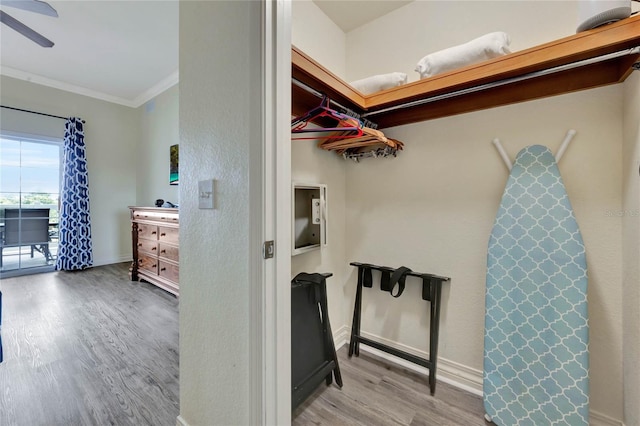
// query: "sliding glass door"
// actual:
[[30, 170]]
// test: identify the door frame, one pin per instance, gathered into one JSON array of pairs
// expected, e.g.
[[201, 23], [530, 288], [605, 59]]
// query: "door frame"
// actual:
[[270, 345], [44, 140]]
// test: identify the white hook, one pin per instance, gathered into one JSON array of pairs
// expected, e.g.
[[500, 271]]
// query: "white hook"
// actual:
[[565, 143], [503, 153]]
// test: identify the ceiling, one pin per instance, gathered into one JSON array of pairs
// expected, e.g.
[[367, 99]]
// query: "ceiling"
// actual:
[[125, 51], [351, 14], [120, 51]]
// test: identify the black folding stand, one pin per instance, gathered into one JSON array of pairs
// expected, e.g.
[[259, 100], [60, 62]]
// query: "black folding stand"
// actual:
[[391, 277], [313, 352]]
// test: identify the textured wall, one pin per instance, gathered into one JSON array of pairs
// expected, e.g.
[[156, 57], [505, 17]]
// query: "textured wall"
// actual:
[[631, 248], [219, 121], [111, 135]]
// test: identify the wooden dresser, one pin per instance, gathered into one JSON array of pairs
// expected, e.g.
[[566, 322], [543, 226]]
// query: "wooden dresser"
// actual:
[[155, 232]]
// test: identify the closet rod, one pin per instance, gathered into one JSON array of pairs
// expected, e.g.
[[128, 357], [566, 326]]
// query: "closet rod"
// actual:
[[314, 92], [34, 112], [632, 51]]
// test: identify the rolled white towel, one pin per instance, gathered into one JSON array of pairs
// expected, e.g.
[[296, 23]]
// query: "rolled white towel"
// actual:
[[379, 82], [480, 49]]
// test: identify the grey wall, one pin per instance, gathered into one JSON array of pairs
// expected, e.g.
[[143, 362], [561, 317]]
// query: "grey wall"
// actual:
[[111, 135], [631, 249], [158, 131]]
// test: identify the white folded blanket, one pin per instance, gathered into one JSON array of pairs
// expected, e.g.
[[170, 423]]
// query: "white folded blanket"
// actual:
[[480, 49], [380, 82]]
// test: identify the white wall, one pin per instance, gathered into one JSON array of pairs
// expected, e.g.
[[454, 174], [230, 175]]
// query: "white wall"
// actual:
[[317, 35], [220, 130], [398, 40], [111, 135], [312, 165], [432, 208], [158, 131], [442, 194], [631, 248]]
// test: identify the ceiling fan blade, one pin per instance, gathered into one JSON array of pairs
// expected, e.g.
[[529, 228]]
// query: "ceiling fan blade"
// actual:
[[32, 6], [24, 30]]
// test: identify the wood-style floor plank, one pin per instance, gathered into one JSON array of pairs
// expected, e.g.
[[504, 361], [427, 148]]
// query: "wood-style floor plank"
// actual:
[[93, 348], [88, 348], [376, 392]]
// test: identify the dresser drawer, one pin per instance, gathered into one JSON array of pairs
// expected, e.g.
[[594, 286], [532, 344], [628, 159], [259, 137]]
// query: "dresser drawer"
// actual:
[[170, 235], [169, 252], [169, 271], [149, 246], [156, 216], [149, 232], [148, 263], [155, 237]]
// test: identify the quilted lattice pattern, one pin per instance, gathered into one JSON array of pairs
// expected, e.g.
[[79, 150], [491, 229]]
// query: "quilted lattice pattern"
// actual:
[[75, 247], [536, 360]]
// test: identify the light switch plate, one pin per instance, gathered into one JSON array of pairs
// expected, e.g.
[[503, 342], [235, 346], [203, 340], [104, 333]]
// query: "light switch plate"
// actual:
[[205, 194]]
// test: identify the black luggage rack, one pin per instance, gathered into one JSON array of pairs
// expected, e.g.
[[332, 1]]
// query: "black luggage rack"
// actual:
[[313, 352], [390, 279]]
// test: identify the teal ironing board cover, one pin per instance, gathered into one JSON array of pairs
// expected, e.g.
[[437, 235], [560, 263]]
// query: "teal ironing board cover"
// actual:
[[536, 359]]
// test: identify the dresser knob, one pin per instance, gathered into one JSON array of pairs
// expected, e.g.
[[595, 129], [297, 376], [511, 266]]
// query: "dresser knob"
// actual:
[[163, 269]]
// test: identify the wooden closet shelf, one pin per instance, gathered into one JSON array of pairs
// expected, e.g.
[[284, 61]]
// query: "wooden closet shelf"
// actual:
[[616, 37]]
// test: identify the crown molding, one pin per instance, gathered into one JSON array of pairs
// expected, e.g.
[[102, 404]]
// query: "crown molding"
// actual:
[[154, 91], [67, 87]]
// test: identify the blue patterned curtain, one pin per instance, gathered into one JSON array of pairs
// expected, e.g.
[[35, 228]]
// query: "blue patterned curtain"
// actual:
[[74, 248]]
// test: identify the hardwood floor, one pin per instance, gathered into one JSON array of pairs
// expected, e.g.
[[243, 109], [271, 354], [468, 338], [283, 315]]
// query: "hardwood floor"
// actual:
[[378, 393], [88, 348], [93, 348]]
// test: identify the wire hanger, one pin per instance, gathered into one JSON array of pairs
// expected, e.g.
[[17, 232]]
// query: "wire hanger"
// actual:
[[348, 135], [345, 127]]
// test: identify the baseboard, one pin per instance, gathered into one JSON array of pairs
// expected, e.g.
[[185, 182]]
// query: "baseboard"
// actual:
[[341, 337], [110, 261], [181, 422], [599, 419], [450, 372]]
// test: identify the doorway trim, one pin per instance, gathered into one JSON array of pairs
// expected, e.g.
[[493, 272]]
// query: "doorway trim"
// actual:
[[270, 344]]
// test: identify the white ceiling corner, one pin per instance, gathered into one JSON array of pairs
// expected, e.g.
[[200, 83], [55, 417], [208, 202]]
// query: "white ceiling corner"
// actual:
[[125, 52], [351, 14]]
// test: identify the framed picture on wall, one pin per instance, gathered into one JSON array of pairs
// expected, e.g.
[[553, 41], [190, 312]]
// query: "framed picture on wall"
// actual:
[[174, 176]]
